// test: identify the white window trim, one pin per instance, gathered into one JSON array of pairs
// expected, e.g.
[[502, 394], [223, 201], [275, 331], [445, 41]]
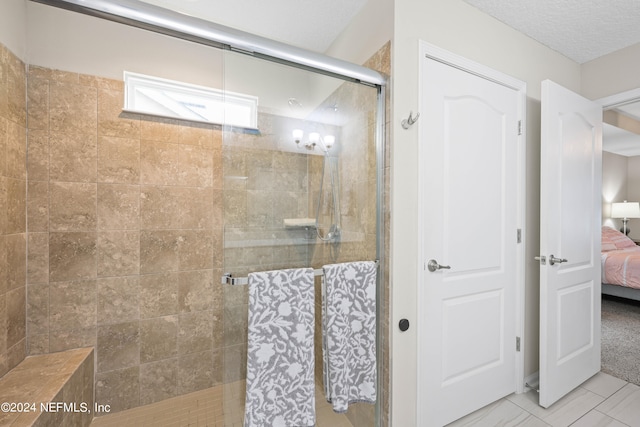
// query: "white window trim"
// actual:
[[173, 99]]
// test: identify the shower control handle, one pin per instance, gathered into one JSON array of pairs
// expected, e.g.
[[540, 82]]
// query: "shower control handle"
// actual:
[[433, 265]]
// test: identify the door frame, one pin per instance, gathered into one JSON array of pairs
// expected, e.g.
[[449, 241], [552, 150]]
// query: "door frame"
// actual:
[[427, 50]]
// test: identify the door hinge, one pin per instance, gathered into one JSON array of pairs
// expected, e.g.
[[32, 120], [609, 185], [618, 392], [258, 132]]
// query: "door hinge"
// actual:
[[517, 343], [519, 235], [519, 127]]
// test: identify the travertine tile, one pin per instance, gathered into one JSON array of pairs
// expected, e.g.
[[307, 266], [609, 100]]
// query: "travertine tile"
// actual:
[[38, 103], [158, 339], [16, 91], [195, 250], [16, 316], [160, 207], [73, 157], [195, 208], [3, 141], [16, 261], [118, 299], [118, 253], [120, 388], [196, 166], [118, 346], [38, 158], [158, 295], [3, 205], [37, 344], [72, 307], [195, 372], [38, 258], [160, 129], [118, 160], [60, 340], [159, 162], [38, 206], [195, 333], [159, 251], [16, 151], [54, 76], [235, 363], [118, 207], [16, 206], [73, 109], [158, 381], [198, 134], [38, 310], [196, 291], [72, 206], [72, 256]]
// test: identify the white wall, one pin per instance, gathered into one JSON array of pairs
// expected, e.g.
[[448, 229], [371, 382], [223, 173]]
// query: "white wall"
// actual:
[[462, 29], [633, 192], [13, 26], [613, 73], [614, 185], [367, 32]]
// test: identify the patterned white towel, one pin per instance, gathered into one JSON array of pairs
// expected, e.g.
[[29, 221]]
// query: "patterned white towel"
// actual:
[[280, 358], [349, 333]]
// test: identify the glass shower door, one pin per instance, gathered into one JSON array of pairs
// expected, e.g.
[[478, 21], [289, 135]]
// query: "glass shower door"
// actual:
[[298, 190]]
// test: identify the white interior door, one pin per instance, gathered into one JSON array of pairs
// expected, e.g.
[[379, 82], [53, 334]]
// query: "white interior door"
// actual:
[[470, 215], [570, 204]]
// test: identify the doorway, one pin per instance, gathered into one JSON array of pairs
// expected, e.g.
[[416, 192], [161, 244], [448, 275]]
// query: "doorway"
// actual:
[[621, 160]]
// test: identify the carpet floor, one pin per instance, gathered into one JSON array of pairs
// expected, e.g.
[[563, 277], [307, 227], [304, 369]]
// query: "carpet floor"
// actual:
[[621, 338]]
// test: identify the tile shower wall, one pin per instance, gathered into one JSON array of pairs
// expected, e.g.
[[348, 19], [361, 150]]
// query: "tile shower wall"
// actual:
[[13, 184], [125, 240]]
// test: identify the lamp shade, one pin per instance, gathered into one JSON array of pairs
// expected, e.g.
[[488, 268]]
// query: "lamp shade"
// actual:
[[625, 210]]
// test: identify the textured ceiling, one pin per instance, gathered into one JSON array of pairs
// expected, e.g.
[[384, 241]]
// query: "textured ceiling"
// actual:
[[310, 24], [581, 30]]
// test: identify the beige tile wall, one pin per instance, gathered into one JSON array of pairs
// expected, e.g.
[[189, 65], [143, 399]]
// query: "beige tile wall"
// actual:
[[125, 240], [13, 205]]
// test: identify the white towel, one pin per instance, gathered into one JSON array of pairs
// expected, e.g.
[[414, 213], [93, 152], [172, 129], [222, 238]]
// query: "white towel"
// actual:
[[280, 357], [349, 333]]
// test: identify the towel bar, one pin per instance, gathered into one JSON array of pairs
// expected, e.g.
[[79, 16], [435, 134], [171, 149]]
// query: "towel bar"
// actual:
[[228, 279]]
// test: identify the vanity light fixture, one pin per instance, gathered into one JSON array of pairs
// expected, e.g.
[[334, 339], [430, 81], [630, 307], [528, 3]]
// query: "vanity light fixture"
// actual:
[[313, 140]]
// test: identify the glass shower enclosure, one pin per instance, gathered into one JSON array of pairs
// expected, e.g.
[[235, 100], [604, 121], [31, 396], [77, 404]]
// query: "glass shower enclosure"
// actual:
[[299, 190]]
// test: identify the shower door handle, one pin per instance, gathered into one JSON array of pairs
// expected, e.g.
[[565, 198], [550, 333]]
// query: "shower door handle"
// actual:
[[433, 265]]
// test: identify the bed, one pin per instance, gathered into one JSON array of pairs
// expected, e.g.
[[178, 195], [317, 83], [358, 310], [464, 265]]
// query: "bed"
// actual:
[[620, 265]]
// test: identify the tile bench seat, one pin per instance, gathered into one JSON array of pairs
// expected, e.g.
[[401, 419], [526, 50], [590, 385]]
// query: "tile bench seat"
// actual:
[[34, 393]]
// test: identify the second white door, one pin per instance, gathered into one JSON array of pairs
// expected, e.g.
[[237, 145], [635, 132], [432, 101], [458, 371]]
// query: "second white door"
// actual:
[[470, 239]]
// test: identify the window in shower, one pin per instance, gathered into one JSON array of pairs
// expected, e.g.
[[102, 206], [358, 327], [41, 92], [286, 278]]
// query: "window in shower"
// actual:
[[169, 98]]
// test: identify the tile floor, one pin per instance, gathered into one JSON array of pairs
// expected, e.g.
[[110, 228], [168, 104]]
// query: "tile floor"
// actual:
[[221, 406], [602, 401]]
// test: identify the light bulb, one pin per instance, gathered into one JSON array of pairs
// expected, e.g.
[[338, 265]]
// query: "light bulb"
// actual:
[[329, 140], [314, 137]]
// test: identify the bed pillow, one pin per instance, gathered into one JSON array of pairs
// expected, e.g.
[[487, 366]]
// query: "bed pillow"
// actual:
[[613, 239]]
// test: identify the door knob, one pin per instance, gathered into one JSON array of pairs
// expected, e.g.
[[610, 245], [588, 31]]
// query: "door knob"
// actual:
[[553, 260], [433, 265]]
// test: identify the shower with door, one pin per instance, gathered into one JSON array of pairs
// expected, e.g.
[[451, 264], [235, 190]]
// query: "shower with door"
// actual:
[[209, 198]]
